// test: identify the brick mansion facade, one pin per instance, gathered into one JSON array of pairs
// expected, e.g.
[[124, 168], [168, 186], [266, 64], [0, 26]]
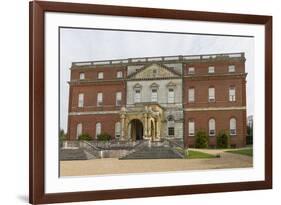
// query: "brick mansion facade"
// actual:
[[160, 97]]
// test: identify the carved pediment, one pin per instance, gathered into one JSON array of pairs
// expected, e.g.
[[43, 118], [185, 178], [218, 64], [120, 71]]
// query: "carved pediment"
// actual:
[[154, 71]]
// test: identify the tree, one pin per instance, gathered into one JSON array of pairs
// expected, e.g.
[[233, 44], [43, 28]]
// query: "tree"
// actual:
[[223, 140], [202, 140], [62, 135]]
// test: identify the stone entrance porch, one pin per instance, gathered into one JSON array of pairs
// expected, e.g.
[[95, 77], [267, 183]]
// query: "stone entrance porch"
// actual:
[[142, 119]]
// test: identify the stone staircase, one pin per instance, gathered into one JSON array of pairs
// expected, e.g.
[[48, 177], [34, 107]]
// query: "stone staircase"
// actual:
[[75, 154], [153, 152]]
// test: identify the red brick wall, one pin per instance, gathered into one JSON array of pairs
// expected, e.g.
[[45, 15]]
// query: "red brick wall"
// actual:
[[221, 85], [89, 124], [201, 68], [91, 73], [90, 96], [201, 119]]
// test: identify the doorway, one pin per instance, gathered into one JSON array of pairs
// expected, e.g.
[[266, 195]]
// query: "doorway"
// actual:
[[136, 129]]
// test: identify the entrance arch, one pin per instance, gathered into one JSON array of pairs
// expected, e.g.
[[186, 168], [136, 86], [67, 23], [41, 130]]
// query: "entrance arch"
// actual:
[[136, 129]]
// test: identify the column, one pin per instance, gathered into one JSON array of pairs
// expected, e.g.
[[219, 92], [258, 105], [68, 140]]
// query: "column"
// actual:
[[122, 127], [145, 125]]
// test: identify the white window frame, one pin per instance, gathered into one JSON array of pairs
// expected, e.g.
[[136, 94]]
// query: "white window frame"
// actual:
[[81, 100], [98, 128], [79, 130], [118, 98], [232, 126], [137, 95], [211, 69], [211, 94], [119, 74], [100, 75], [191, 128], [154, 95], [232, 94], [191, 70], [171, 95], [231, 68], [82, 76], [191, 95], [99, 99], [117, 130], [170, 125], [212, 127]]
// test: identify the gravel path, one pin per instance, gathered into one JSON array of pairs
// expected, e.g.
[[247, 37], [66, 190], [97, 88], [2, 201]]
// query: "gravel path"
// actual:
[[115, 166]]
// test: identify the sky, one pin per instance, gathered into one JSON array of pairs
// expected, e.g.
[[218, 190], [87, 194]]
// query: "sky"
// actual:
[[93, 44]]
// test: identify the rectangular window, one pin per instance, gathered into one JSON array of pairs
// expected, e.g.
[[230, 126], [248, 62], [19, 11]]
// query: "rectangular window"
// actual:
[[211, 69], [80, 100], [171, 131], [231, 68], [191, 95], [191, 128], [100, 75], [171, 95], [99, 99], [232, 94], [212, 95], [191, 70], [118, 98], [154, 95], [119, 74], [137, 97], [82, 76]]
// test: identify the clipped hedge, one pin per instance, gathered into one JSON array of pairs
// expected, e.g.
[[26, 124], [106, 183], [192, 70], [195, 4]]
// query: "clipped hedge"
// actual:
[[201, 139], [104, 137], [85, 137], [223, 140]]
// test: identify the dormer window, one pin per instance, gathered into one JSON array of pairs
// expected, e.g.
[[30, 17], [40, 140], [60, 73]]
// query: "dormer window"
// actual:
[[191, 70], [100, 75], [82, 76], [211, 69], [231, 68]]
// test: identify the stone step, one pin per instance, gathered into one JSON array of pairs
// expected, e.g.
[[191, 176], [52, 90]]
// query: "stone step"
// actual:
[[72, 154]]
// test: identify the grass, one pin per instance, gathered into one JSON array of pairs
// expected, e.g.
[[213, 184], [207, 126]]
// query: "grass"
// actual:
[[246, 151], [198, 155]]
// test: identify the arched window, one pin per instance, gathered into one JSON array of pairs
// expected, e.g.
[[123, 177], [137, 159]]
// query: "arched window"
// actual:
[[98, 128], [232, 126], [117, 129], [212, 127], [78, 130], [191, 127], [171, 126]]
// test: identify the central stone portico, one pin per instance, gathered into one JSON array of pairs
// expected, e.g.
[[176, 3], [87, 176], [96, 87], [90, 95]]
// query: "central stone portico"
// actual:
[[142, 122]]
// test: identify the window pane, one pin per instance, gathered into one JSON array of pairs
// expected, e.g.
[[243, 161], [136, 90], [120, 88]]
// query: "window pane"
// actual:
[[191, 128], [211, 94], [191, 95], [212, 127], [99, 99], [231, 68], [232, 126], [100, 75], [191, 70], [82, 76], [154, 95], [211, 69], [137, 96], [79, 130], [81, 100], [171, 96], [98, 128], [232, 94]]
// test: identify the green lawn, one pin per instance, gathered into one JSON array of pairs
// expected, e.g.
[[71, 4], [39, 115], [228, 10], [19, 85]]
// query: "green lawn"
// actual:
[[246, 151], [198, 155]]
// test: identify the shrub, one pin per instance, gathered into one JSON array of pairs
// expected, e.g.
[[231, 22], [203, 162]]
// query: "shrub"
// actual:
[[85, 137], [104, 137], [201, 140], [62, 135], [223, 140]]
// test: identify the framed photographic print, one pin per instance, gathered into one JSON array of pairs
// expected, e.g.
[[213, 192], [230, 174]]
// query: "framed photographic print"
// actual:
[[139, 102]]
